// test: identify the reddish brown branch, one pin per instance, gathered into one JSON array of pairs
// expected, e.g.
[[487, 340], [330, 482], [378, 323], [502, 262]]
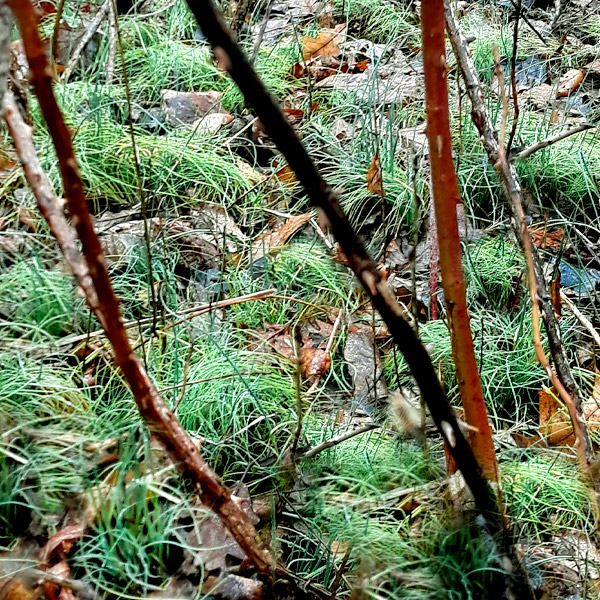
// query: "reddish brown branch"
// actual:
[[151, 406], [446, 199], [511, 188]]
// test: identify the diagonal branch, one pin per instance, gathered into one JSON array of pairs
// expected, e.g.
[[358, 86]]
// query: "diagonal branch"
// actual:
[[231, 58], [151, 406], [527, 152], [563, 380]]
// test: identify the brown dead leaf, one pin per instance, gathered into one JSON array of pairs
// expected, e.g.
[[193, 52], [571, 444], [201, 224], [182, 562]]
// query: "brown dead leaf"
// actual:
[[569, 82], [286, 175], [594, 67], [16, 588], [278, 237], [544, 239], [314, 362], [374, 177], [326, 44], [555, 423], [294, 115], [232, 587]]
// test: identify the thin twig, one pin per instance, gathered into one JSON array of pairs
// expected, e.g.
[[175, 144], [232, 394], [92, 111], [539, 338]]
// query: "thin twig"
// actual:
[[513, 78], [112, 44], [60, 7], [312, 452], [85, 38], [527, 152], [581, 317]]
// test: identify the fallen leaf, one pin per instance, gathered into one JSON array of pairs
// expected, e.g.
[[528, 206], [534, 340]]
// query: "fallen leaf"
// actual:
[[232, 587], [16, 588], [286, 175], [555, 423], [294, 115], [594, 67], [278, 237], [314, 362], [326, 44], [569, 82], [544, 239], [374, 177]]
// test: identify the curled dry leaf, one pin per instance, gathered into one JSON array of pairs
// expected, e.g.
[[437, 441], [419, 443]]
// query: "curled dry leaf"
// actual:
[[375, 178], [555, 423], [326, 44], [314, 362], [569, 82]]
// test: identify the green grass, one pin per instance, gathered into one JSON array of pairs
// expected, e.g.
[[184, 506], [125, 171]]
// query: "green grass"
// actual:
[[510, 374], [38, 303], [544, 496], [493, 268]]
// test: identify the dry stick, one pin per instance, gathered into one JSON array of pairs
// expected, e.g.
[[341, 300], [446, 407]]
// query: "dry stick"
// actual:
[[525, 153], [446, 200], [365, 268], [513, 78], [112, 44], [87, 36], [311, 452], [541, 300], [55, 30], [151, 406]]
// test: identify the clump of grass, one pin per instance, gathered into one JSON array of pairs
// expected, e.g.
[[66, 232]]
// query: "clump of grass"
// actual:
[[189, 67], [38, 303], [173, 168], [382, 22], [136, 540], [241, 402], [510, 374], [544, 495], [492, 269]]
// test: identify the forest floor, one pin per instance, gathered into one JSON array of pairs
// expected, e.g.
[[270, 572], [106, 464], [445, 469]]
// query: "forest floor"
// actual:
[[246, 317]]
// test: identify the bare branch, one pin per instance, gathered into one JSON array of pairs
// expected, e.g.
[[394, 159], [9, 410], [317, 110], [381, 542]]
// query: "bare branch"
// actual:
[[151, 406], [527, 152], [540, 297]]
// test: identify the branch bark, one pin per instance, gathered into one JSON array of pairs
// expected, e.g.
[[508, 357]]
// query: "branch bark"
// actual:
[[446, 199], [509, 181], [229, 55], [151, 406]]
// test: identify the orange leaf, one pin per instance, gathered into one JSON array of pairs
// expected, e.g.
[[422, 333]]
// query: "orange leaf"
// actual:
[[374, 177], [286, 174], [555, 424], [314, 362], [569, 82], [278, 237], [547, 240], [326, 44], [294, 115]]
